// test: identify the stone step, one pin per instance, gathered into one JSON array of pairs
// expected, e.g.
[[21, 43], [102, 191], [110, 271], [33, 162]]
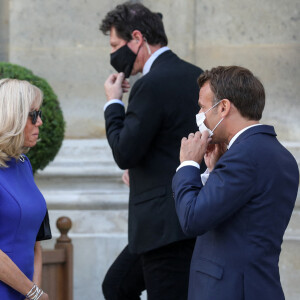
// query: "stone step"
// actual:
[[84, 171], [93, 158], [83, 176], [82, 158], [95, 221], [77, 183], [85, 200]]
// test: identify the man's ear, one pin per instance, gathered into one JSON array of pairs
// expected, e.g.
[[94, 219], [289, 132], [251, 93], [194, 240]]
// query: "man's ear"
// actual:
[[225, 106], [137, 38]]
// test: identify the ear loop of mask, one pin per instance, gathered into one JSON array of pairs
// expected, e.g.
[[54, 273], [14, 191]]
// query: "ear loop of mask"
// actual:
[[220, 120], [147, 46], [204, 113], [217, 124], [212, 107]]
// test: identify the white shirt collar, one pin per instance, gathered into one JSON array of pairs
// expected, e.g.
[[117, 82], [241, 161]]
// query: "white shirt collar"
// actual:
[[152, 58], [239, 133]]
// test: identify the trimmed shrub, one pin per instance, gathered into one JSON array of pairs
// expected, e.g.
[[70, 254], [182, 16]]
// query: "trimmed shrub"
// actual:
[[53, 128]]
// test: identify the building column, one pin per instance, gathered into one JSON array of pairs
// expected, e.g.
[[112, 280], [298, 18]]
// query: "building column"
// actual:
[[4, 30]]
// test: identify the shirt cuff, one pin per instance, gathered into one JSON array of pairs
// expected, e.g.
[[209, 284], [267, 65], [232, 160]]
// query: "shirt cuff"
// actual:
[[188, 163], [112, 101], [204, 176]]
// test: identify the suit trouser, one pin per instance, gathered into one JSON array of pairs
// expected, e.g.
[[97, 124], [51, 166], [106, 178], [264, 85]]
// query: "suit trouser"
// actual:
[[163, 272]]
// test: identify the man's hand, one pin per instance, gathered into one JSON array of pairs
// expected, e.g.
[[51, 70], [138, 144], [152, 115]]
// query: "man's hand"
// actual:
[[213, 154], [115, 85], [125, 86], [194, 147], [125, 177]]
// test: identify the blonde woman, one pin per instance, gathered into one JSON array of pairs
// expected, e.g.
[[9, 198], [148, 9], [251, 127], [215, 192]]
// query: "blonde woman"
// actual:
[[22, 206]]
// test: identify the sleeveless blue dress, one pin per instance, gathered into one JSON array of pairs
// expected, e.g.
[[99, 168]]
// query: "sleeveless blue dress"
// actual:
[[22, 210]]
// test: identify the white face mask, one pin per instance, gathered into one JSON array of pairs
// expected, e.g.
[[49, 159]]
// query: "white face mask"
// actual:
[[200, 118]]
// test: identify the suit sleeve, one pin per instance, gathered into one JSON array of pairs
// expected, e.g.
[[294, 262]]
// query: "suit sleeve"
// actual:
[[229, 187], [130, 135]]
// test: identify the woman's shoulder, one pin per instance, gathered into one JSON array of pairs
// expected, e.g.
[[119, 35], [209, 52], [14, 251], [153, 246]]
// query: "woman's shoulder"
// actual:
[[22, 163]]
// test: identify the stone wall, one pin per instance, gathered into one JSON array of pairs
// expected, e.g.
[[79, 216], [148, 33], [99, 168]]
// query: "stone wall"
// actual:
[[60, 40], [4, 30]]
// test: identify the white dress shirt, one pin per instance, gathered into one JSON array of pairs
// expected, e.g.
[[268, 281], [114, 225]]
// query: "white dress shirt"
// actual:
[[146, 69], [205, 175], [152, 58]]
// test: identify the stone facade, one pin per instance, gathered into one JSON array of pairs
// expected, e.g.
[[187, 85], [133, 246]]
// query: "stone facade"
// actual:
[[60, 41], [4, 30]]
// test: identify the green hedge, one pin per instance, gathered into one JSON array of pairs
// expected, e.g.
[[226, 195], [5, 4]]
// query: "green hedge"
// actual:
[[53, 128]]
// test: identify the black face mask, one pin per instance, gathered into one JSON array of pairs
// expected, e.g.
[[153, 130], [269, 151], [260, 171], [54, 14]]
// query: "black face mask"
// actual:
[[123, 59]]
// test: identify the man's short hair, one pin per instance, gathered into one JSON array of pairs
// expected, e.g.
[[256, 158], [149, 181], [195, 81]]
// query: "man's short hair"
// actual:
[[127, 17], [239, 86]]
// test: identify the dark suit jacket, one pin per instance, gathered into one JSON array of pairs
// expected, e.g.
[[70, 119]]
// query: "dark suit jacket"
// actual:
[[240, 216], [146, 140]]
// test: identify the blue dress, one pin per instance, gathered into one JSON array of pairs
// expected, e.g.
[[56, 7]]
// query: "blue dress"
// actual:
[[22, 210]]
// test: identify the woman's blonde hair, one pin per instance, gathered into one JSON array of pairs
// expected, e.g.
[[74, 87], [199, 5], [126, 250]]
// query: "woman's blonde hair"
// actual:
[[17, 99]]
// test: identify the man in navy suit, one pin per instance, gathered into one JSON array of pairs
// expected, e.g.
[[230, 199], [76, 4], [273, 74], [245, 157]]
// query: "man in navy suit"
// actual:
[[145, 138], [240, 207]]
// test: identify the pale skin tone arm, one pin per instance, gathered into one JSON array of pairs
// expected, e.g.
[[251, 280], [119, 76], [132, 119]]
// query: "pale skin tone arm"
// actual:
[[125, 177], [14, 277], [197, 146], [194, 147], [213, 154], [115, 85], [37, 274]]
